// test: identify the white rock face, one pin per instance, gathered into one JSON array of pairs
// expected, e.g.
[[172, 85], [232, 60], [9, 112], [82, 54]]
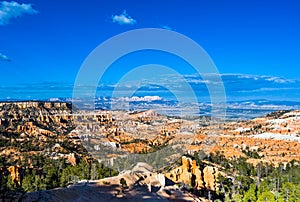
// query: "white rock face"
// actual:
[[142, 168], [161, 178], [241, 129], [292, 137]]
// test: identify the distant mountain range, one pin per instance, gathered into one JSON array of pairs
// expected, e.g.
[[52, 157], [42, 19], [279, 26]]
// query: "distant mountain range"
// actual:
[[247, 96]]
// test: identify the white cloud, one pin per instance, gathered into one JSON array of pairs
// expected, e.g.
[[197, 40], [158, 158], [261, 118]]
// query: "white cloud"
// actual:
[[166, 27], [277, 79], [4, 57], [12, 9], [123, 19], [260, 77]]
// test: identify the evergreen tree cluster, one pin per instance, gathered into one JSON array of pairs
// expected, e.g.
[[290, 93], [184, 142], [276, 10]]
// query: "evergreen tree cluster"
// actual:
[[264, 182], [45, 173]]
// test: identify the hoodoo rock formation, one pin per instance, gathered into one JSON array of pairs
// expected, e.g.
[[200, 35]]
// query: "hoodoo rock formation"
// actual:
[[191, 174]]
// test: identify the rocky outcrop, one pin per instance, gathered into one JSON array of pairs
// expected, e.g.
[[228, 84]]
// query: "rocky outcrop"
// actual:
[[210, 178], [141, 185], [71, 159], [191, 174], [31, 117], [15, 174]]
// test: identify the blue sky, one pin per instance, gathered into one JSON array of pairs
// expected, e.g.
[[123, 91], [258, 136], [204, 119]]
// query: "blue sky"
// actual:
[[47, 40]]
